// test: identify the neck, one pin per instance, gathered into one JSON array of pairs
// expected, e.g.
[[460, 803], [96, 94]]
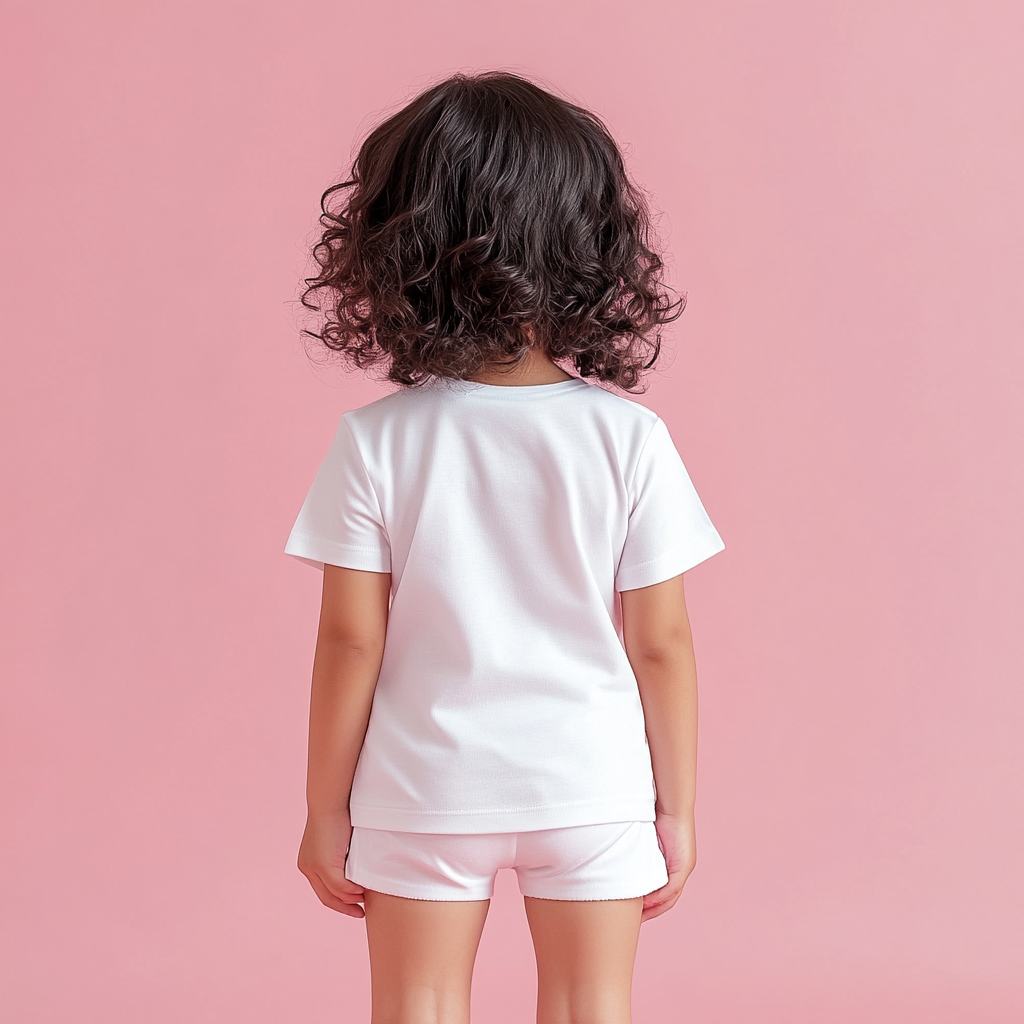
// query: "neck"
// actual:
[[535, 368]]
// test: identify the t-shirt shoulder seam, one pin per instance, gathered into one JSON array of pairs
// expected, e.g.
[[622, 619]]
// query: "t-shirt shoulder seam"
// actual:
[[626, 400]]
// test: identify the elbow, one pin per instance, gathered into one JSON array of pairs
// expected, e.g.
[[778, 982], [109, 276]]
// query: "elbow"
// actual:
[[354, 646], [656, 659], [665, 650], [363, 650]]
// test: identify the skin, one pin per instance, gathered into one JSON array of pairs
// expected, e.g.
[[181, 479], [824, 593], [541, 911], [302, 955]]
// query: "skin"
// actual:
[[422, 952], [535, 368]]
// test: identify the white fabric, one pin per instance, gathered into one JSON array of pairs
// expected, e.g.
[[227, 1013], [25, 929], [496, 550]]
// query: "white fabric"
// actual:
[[610, 861], [508, 517]]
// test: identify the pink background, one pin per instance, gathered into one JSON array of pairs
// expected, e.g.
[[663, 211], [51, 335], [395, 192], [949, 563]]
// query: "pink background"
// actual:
[[840, 187]]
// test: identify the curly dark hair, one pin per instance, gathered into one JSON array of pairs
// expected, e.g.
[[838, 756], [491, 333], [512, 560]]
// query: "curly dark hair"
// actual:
[[485, 213]]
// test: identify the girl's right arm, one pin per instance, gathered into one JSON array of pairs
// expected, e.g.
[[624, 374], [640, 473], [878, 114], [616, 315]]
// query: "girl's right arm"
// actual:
[[659, 644], [349, 651]]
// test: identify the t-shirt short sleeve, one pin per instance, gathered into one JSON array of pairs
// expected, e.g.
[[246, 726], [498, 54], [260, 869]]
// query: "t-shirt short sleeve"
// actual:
[[340, 521], [668, 531]]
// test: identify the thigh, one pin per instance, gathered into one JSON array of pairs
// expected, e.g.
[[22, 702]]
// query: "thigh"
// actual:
[[585, 955], [421, 957]]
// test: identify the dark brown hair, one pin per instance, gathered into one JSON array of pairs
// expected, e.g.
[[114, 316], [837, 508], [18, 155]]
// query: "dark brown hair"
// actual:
[[485, 209]]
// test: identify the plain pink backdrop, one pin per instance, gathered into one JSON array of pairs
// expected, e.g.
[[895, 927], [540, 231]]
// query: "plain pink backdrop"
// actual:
[[840, 187]]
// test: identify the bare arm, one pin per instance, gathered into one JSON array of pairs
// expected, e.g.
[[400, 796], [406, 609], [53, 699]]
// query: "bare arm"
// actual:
[[349, 650], [659, 644]]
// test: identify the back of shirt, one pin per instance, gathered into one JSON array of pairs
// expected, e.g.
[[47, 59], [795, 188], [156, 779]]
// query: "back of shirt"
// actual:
[[509, 517]]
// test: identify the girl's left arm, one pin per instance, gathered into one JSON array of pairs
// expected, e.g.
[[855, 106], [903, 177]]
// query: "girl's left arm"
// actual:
[[349, 651]]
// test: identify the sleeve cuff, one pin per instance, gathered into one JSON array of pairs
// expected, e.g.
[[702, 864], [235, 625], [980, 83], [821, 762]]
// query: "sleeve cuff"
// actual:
[[666, 566], [316, 551]]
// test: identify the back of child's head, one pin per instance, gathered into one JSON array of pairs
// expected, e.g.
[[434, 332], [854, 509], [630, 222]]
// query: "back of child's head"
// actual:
[[485, 213]]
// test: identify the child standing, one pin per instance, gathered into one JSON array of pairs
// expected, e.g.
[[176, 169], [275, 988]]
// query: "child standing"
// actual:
[[504, 671]]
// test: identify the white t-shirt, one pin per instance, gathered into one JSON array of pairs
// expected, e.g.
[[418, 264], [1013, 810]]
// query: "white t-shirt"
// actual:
[[509, 517]]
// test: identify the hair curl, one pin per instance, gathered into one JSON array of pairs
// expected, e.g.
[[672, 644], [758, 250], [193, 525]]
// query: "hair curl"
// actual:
[[485, 213]]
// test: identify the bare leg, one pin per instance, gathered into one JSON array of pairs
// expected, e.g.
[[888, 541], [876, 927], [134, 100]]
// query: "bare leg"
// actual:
[[585, 955], [421, 958]]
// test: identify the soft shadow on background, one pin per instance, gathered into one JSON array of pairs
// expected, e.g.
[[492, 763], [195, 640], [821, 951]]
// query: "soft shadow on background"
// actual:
[[840, 193]]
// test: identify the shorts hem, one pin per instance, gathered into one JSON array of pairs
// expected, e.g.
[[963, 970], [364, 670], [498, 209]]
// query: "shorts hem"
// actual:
[[412, 892], [588, 899], [600, 896]]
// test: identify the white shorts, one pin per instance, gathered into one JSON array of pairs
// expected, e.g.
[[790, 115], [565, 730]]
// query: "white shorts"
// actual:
[[614, 861]]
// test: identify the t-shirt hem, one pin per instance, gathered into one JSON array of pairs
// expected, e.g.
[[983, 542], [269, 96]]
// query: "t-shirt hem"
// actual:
[[530, 819]]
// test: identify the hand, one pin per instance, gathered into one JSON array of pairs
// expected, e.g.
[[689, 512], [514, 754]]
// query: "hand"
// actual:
[[322, 856], [677, 837]]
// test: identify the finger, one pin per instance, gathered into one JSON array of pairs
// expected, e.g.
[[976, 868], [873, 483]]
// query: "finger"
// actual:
[[334, 881], [348, 907], [655, 904], [663, 899], [669, 892], [346, 891], [673, 887], [341, 887], [657, 909]]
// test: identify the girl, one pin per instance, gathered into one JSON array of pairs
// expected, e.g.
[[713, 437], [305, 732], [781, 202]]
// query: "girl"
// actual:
[[504, 673]]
